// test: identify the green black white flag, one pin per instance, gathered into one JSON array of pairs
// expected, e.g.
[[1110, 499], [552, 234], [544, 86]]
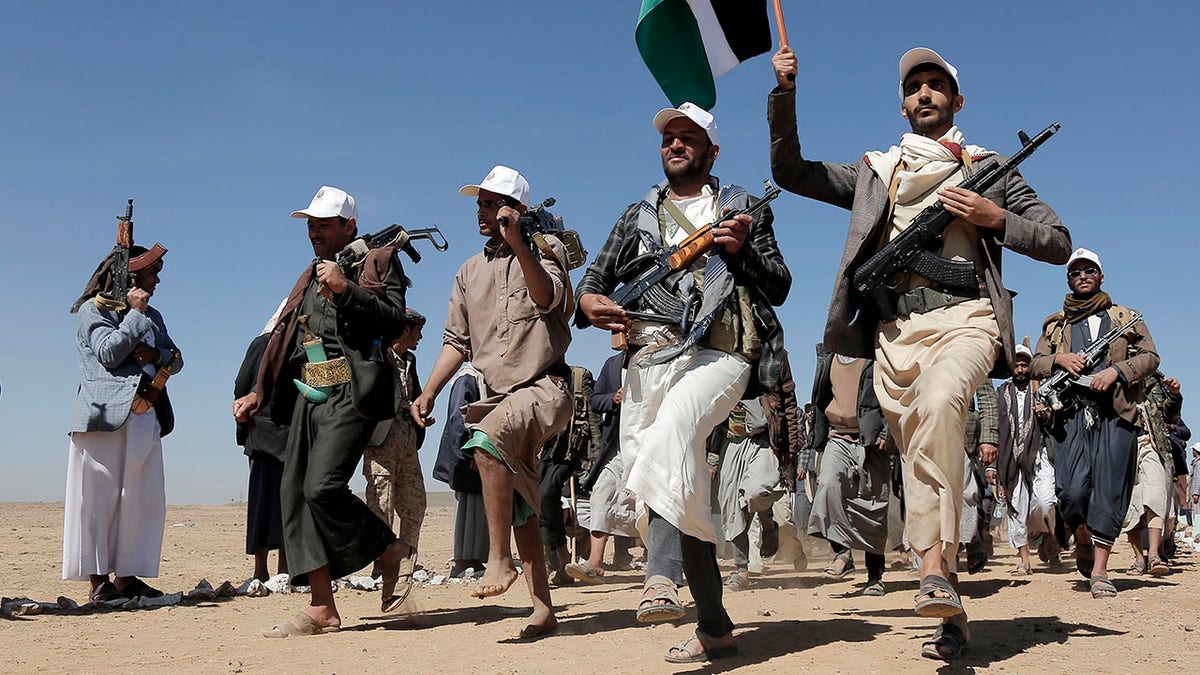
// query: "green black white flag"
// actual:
[[687, 44]]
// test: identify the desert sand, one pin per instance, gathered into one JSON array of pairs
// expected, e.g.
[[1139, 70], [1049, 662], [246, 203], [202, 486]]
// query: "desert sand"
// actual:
[[787, 621]]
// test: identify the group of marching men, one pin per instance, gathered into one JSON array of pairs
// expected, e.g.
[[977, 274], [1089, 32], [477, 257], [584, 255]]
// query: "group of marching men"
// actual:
[[332, 381]]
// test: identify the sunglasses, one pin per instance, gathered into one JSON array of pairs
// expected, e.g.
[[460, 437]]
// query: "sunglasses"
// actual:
[[1090, 271]]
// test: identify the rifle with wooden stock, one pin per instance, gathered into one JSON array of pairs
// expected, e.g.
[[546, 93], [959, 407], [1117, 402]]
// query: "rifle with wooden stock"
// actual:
[[115, 298], [670, 309]]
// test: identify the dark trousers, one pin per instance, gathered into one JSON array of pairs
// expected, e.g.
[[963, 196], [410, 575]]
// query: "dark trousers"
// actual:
[[554, 477], [1094, 470], [264, 517], [323, 522], [668, 551]]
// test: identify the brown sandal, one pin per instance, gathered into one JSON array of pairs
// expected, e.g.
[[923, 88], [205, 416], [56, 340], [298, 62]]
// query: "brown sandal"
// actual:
[[397, 585], [659, 589]]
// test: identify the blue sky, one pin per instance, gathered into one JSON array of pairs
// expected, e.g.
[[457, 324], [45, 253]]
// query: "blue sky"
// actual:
[[220, 118]]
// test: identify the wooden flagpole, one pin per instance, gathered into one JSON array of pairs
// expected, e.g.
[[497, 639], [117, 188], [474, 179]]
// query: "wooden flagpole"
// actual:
[[782, 28], [783, 41]]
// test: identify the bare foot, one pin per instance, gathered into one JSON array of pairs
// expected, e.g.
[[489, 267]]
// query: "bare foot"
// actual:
[[496, 580], [323, 617], [541, 622]]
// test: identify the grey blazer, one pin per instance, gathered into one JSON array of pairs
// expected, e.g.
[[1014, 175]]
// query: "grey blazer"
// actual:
[[109, 377], [1031, 228]]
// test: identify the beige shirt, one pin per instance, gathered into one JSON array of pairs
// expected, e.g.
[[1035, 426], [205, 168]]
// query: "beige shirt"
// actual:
[[493, 322], [845, 377], [959, 242]]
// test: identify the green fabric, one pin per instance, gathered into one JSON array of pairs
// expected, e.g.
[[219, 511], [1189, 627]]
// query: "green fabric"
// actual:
[[669, 40], [521, 510]]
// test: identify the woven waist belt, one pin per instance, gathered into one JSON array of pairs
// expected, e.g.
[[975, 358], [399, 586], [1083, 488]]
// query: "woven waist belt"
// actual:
[[924, 299], [326, 373], [644, 333]]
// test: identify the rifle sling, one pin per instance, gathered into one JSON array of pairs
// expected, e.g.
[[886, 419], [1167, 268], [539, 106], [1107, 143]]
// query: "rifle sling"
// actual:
[[677, 214]]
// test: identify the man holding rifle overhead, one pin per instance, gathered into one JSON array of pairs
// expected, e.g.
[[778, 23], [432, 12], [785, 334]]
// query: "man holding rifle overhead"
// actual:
[[697, 340], [934, 342]]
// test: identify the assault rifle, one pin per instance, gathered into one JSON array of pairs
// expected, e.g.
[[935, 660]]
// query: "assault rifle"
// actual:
[[120, 266], [913, 249], [1054, 391], [393, 235], [668, 308], [354, 253], [538, 221]]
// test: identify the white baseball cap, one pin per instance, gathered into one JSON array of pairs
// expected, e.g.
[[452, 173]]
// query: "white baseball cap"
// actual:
[[922, 55], [693, 112], [503, 181], [1084, 254], [328, 203], [1023, 350]]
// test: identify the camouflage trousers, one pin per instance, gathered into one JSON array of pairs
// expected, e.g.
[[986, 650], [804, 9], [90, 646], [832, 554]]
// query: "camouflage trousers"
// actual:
[[395, 486]]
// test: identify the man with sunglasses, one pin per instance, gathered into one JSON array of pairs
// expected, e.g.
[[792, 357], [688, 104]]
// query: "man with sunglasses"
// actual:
[[1095, 442]]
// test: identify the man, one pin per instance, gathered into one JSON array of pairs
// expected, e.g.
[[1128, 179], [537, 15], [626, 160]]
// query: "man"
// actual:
[[786, 435], [265, 444], [944, 340], [395, 487], [981, 440], [116, 500], [1095, 443], [454, 469], [610, 509], [1024, 471], [850, 505], [560, 461], [328, 331], [747, 481], [1154, 482], [517, 343], [676, 394], [1193, 491]]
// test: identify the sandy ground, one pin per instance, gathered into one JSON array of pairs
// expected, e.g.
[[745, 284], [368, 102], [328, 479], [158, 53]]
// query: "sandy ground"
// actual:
[[786, 620]]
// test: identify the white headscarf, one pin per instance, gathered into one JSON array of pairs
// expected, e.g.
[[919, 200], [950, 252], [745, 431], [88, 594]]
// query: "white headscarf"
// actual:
[[926, 163]]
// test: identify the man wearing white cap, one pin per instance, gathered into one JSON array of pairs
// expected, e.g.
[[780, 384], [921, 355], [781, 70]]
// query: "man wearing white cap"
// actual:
[[508, 316], [945, 338], [680, 385], [328, 532], [1095, 442], [1025, 472]]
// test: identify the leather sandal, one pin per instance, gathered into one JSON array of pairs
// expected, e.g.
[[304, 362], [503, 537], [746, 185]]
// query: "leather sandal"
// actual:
[[397, 583], [659, 589], [711, 650], [948, 637], [930, 605], [833, 571]]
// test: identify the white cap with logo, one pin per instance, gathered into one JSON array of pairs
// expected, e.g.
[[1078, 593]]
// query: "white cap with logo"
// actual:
[[693, 112], [503, 181], [1084, 254], [329, 202], [921, 55]]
